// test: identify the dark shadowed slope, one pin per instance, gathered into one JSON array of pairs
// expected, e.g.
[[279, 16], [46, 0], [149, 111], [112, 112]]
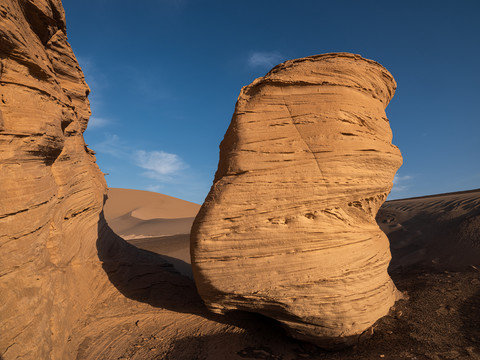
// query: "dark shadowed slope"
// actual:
[[439, 232]]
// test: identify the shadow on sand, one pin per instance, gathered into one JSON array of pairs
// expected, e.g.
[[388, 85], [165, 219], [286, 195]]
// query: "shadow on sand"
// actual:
[[148, 277], [145, 276], [470, 315]]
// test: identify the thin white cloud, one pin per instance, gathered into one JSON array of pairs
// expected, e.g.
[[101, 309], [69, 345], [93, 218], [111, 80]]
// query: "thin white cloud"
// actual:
[[149, 88], [146, 83], [112, 145], [154, 188], [97, 82], [400, 183], [84, 62], [265, 59], [159, 164], [98, 122], [94, 77]]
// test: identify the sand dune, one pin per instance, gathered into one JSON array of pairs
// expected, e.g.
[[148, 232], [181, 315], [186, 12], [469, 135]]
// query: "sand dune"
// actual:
[[154, 222], [146, 205], [440, 232], [136, 214], [174, 249], [439, 321], [131, 227]]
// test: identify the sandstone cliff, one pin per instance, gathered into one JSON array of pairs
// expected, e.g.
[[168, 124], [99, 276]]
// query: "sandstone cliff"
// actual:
[[288, 229], [51, 192]]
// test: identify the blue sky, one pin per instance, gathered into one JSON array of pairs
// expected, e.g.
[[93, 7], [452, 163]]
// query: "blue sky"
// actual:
[[165, 76]]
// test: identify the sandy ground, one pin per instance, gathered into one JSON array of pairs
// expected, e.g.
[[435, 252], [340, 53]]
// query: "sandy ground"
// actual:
[[436, 263], [135, 214], [440, 232], [153, 222]]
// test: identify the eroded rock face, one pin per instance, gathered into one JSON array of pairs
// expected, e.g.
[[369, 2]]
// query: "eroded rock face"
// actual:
[[288, 229], [51, 191]]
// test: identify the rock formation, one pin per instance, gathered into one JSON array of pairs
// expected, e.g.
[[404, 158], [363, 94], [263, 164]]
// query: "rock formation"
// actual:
[[70, 288], [288, 229], [51, 192]]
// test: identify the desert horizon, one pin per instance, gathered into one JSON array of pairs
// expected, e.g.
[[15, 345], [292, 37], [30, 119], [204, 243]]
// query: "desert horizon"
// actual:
[[421, 266], [172, 229], [323, 189]]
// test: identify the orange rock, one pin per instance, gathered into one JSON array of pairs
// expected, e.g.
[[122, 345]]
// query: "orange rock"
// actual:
[[51, 189], [288, 229]]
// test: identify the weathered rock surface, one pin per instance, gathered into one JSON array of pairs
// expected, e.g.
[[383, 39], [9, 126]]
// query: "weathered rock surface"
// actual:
[[69, 287], [288, 229], [51, 192]]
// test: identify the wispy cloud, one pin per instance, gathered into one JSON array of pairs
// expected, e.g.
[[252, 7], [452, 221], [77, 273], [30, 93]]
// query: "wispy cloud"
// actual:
[[147, 83], [113, 146], [400, 183], [159, 164], [154, 188], [98, 122], [97, 82], [149, 88], [264, 59], [93, 75]]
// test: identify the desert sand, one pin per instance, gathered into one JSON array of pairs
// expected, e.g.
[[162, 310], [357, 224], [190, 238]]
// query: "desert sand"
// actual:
[[153, 222], [439, 319], [439, 232], [70, 288], [432, 233]]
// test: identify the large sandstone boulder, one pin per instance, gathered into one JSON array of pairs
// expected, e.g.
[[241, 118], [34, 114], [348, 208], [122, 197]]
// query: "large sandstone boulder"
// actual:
[[288, 229]]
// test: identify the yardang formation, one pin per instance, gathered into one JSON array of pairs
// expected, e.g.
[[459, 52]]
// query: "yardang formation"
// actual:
[[288, 229]]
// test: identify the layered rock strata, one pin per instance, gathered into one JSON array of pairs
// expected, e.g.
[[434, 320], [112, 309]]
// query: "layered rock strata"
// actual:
[[288, 229], [51, 192]]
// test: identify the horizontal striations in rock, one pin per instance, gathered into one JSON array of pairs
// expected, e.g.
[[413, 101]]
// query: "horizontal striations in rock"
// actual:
[[288, 229], [51, 190]]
